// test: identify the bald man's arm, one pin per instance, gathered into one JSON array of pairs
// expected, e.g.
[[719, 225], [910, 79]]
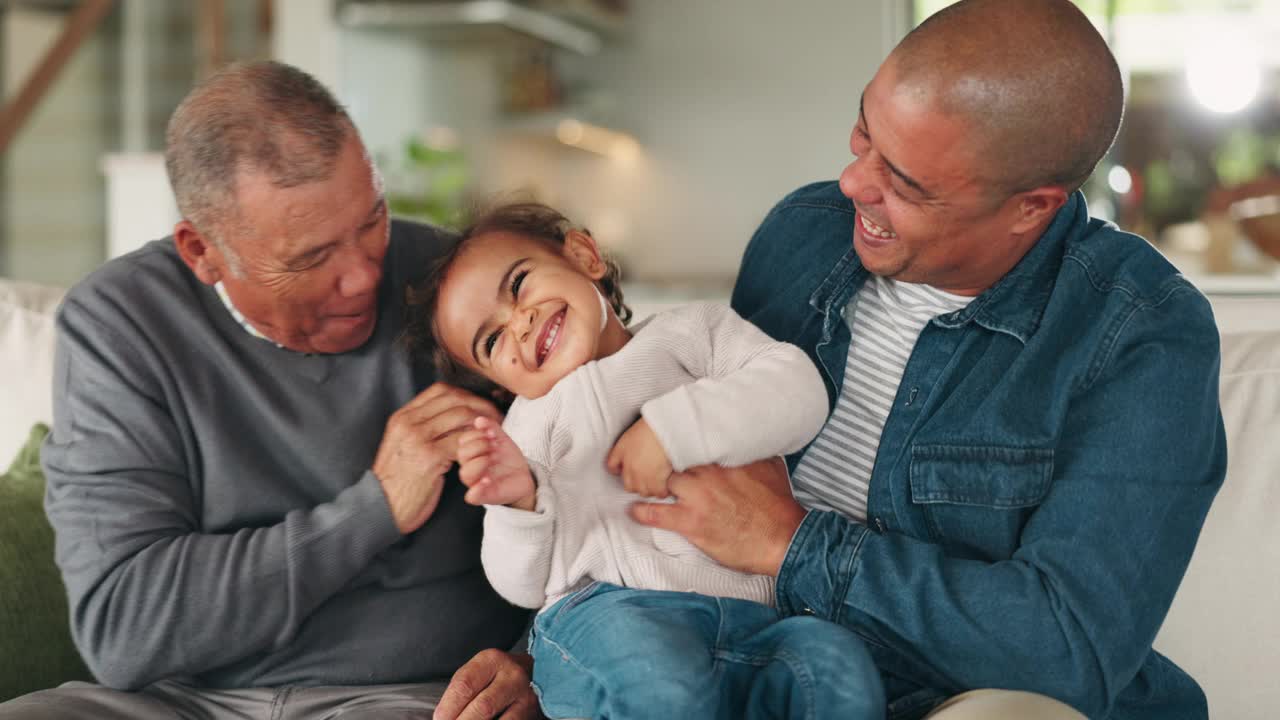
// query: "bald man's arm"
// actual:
[[1073, 612]]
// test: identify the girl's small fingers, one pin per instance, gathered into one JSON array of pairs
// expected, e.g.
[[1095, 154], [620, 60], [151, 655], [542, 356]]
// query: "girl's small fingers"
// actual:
[[479, 493]]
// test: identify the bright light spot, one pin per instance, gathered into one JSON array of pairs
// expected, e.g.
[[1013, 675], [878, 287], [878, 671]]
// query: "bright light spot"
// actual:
[[625, 151], [1225, 77], [621, 147], [570, 132], [1120, 180]]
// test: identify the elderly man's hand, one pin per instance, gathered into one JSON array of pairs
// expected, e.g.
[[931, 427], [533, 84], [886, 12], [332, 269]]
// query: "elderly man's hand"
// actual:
[[493, 684], [742, 517], [420, 445]]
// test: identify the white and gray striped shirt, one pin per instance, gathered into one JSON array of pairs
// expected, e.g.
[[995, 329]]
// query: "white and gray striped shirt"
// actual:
[[886, 318]]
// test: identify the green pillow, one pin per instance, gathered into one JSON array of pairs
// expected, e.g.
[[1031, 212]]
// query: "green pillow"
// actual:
[[35, 636]]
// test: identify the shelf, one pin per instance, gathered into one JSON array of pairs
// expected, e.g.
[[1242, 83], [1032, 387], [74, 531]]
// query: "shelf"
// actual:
[[577, 129], [463, 20]]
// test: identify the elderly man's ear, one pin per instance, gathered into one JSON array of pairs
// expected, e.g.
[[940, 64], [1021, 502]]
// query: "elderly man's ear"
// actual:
[[199, 253]]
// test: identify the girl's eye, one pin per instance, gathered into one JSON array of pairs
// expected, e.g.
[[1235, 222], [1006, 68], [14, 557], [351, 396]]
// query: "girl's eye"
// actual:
[[516, 282], [490, 342]]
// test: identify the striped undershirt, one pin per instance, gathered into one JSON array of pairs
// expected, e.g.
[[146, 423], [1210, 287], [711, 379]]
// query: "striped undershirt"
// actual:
[[885, 318]]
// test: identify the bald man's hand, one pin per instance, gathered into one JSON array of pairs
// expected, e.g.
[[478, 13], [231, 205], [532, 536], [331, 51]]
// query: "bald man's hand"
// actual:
[[419, 446], [743, 517]]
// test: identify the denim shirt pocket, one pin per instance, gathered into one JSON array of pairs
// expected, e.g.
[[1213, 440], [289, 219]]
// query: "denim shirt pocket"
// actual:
[[976, 498]]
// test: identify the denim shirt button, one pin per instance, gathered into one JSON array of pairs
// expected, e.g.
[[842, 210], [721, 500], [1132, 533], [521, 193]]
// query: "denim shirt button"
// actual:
[[807, 611]]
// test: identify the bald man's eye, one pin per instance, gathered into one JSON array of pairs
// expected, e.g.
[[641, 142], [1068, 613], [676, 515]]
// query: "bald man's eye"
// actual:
[[861, 141], [895, 187]]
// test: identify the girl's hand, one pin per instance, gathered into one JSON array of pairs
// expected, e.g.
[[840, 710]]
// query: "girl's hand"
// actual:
[[641, 461], [491, 465]]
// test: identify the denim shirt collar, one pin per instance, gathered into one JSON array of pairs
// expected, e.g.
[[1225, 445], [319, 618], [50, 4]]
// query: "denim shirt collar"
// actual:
[[1014, 305]]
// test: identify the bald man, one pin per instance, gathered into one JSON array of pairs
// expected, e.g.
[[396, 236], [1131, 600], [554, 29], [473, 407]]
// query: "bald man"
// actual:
[[1025, 435]]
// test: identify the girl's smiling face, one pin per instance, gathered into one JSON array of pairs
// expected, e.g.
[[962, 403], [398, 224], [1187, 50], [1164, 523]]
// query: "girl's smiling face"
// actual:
[[525, 313]]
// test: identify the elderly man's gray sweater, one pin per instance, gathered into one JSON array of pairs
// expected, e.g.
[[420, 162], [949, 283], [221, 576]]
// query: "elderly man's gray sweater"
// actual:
[[215, 514]]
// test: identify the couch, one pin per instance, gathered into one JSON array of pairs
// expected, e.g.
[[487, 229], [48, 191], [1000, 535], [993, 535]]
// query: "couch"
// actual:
[[1224, 627]]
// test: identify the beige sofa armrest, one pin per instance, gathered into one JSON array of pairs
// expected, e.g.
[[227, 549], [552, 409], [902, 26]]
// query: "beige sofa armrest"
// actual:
[[1003, 705]]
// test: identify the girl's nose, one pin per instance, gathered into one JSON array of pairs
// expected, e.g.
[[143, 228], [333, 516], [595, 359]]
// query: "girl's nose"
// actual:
[[526, 317]]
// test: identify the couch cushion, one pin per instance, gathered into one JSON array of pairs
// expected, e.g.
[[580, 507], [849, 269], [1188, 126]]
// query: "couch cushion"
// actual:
[[1224, 628], [26, 360], [35, 637], [1246, 313]]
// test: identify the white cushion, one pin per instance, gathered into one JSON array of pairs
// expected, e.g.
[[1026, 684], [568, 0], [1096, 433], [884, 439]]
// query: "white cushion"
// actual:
[[26, 362], [1224, 627], [1237, 314]]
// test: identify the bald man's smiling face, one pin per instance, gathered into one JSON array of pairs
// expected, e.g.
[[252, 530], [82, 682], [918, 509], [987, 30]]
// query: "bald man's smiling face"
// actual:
[[925, 213]]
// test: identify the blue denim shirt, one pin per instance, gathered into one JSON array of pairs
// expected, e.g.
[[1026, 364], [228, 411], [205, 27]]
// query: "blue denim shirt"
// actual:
[[1042, 477]]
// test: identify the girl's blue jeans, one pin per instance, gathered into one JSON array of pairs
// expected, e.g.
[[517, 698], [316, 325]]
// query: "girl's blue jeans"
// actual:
[[613, 652]]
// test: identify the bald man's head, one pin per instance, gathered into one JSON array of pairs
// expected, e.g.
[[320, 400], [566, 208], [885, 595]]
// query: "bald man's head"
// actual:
[[1033, 78]]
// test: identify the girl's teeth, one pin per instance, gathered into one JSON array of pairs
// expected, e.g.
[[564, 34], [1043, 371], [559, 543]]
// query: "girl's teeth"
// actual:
[[551, 336]]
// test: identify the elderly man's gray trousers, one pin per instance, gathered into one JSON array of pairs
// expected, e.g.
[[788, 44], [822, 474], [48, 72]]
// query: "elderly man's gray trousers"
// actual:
[[170, 700]]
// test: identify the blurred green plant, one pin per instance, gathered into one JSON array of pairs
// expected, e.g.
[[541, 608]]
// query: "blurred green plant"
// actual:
[[1245, 155], [429, 184], [1175, 191]]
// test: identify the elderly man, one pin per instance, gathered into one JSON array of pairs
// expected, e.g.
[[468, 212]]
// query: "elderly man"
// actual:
[[246, 478], [1025, 435]]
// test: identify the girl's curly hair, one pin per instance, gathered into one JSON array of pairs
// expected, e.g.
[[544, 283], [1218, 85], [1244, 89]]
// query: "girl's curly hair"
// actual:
[[533, 220]]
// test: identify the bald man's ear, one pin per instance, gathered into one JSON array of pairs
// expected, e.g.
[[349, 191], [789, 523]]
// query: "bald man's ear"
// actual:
[[581, 250], [1036, 208], [198, 252]]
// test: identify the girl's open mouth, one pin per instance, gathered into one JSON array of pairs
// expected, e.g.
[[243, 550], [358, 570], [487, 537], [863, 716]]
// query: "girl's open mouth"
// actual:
[[549, 335]]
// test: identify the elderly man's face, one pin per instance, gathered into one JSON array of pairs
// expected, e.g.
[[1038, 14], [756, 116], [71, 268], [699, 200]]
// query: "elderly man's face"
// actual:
[[924, 213], [311, 256]]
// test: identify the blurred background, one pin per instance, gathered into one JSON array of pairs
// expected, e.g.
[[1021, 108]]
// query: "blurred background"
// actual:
[[667, 127]]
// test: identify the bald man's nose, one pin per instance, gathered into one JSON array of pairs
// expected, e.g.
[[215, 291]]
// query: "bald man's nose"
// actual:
[[856, 186]]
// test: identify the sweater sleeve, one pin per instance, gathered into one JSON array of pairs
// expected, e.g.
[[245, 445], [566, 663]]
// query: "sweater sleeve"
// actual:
[[516, 550], [755, 397], [152, 594]]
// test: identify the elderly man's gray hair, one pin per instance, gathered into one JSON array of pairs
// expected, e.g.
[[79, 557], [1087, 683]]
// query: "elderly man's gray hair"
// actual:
[[262, 117]]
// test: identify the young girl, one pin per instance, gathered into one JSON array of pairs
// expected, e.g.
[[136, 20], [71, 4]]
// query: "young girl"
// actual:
[[520, 306]]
